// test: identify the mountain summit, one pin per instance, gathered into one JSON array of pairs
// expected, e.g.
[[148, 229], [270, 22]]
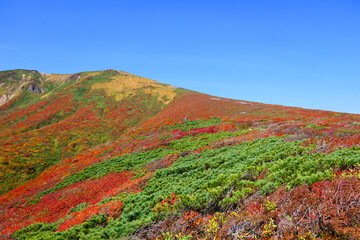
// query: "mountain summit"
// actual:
[[111, 155]]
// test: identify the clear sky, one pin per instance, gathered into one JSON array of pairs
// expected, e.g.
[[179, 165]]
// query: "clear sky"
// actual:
[[301, 53]]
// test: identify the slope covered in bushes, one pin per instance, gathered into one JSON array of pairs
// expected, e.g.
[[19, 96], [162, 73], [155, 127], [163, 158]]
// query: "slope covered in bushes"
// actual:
[[100, 163]]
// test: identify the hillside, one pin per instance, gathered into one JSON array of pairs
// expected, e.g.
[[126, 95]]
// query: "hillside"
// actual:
[[109, 155]]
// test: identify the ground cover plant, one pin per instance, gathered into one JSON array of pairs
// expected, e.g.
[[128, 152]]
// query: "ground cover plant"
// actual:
[[109, 155]]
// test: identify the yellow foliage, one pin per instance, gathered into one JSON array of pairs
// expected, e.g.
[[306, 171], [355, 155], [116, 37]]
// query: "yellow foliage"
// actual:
[[56, 78], [91, 73], [126, 85]]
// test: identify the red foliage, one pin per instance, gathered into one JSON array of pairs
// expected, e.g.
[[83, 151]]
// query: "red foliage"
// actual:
[[319, 187], [56, 205], [111, 209], [177, 134], [226, 127], [166, 203]]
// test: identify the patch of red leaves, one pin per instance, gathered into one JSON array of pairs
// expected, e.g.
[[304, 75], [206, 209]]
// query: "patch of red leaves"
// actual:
[[56, 205]]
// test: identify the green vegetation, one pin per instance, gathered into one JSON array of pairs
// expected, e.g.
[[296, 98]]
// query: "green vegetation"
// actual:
[[88, 230], [79, 207], [214, 179], [191, 143], [194, 123]]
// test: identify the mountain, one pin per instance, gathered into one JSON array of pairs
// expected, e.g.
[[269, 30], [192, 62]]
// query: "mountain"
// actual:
[[111, 155]]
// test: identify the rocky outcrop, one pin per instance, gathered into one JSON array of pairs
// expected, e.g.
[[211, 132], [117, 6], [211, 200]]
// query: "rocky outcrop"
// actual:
[[34, 88], [3, 99], [73, 77]]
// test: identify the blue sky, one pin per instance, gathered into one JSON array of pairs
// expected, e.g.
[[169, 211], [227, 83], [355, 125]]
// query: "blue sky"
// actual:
[[294, 53]]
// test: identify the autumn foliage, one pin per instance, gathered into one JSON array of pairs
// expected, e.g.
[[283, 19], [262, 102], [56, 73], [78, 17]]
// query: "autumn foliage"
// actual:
[[88, 162]]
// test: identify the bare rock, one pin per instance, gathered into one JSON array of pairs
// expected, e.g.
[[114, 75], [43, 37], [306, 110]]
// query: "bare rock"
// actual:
[[34, 88]]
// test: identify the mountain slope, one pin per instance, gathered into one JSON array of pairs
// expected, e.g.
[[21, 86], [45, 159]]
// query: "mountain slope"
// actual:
[[107, 154], [73, 113]]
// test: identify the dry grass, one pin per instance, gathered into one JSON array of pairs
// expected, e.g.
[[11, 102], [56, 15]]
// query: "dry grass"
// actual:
[[91, 74], [56, 78], [126, 85]]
